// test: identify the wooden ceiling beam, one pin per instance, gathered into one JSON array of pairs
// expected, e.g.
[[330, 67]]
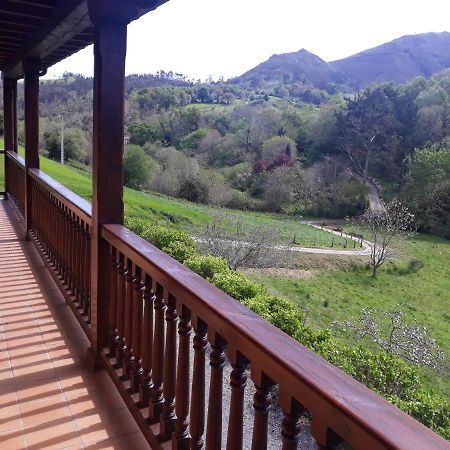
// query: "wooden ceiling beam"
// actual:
[[19, 10]]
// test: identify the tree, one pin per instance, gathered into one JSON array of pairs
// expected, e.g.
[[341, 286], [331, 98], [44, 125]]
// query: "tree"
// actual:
[[138, 167], [141, 132], [427, 190], [75, 144], [368, 128], [392, 221], [240, 244], [391, 333]]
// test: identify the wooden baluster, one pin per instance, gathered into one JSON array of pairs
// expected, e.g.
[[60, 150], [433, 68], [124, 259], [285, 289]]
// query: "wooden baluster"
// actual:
[[136, 363], [121, 291], [217, 362], [238, 379], [128, 304], [197, 414], [88, 265], [86, 258], [169, 371], [156, 398], [113, 304], [290, 428], [180, 439], [261, 404], [147, 343], [80, 262]]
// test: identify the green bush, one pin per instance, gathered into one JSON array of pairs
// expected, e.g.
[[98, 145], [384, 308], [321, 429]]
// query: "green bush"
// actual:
[[207, 266], [430, 409], [237, 285], [181, 251], [161, 236], [283, 314], [136, 224]]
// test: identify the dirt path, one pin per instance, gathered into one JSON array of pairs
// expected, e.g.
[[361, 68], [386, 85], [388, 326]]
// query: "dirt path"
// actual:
[[365, 250]]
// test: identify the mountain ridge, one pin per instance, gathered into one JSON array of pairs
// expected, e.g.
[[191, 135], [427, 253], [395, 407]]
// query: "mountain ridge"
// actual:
[[398, 61]]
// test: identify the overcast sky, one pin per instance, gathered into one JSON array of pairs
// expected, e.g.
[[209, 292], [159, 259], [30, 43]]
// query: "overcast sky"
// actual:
[[202, 38]]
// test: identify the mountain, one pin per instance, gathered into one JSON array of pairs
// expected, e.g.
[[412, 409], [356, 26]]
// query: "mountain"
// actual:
[[301, 66], [398, 61]]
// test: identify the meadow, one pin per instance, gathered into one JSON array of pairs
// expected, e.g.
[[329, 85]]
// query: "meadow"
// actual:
[[188, 216]]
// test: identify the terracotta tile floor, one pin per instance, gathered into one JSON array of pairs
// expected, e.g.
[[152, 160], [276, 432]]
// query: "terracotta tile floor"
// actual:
[[47, 399]]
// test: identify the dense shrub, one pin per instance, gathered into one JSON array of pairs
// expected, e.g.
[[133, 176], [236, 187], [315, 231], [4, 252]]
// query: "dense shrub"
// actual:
[[237, 285], [206, 266], [283, 314], [181, 251], [162, 237]]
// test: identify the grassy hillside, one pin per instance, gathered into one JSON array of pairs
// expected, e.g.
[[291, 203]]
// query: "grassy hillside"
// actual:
[[340, 294], [183, 214]]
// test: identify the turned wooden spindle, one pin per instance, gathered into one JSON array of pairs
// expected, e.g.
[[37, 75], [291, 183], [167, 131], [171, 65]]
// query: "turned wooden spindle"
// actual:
[[167, 426], [217, 363], [121, 291], [290, 427], [113, 336], [238, 380], [136, 362], [87, 270], [180, 439], [197, 413], [128, 304], [147, 342], [156, 398], [261, 404]]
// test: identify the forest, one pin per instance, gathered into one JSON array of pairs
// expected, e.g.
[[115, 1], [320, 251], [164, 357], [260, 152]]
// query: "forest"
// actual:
[[232, 145]]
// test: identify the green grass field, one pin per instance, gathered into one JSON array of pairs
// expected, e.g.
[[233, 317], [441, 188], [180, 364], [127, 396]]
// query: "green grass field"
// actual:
[[341, 293], [183, 214]]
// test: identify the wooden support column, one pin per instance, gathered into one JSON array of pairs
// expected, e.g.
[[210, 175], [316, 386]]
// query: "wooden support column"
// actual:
[[31, 94], [9, 88], [110, 34], [9, 117]]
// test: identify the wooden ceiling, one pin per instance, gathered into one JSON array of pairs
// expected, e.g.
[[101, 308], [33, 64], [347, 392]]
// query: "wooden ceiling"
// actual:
[[51, 30]]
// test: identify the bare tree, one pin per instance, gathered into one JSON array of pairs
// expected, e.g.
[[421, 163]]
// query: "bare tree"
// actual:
[[390, 332], [390, 221], [240, 243]]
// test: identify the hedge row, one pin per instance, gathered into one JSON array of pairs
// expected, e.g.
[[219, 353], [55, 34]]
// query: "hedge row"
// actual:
[[388, 375]]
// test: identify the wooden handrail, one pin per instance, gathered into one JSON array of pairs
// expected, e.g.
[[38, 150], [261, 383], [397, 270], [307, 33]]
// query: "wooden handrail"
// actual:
[[74, 202], [16, 158], [336, 401]]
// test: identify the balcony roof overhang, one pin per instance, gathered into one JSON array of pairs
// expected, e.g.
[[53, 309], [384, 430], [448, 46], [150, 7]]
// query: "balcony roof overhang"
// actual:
[[49, 31]]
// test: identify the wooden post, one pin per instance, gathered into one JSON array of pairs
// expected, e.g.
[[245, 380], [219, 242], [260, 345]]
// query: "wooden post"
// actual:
[[110, 34], [31, 93], [8, 112], [9, 88]]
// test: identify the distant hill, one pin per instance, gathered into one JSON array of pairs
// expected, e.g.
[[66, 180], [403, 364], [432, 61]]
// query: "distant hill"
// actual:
[[398, 61], [302, 66]]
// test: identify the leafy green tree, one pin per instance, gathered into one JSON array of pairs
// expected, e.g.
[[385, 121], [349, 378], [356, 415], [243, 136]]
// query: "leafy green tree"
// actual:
[[75, 144], [142, 132], [427, 190], [138, 167]]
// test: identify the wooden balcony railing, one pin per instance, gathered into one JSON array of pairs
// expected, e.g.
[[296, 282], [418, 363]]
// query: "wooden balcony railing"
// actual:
[[166, 322], [15, 178], [61, 223]]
